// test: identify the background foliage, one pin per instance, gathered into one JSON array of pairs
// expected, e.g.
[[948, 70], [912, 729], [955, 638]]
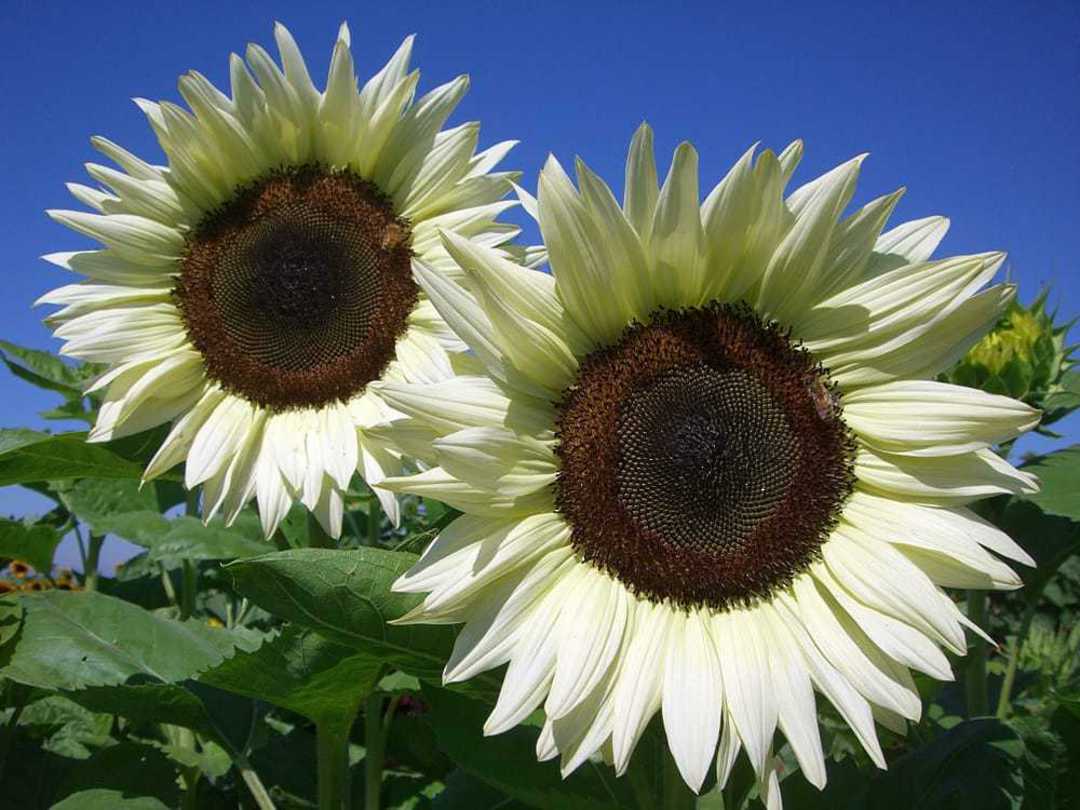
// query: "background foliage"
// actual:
[[216, 670]]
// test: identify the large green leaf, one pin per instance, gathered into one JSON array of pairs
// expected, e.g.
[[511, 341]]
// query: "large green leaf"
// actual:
[[301, 671], [147, 703], [133, 512], [70, 640], [466, 792], [508, 762], [1059, 476], [976, 764], [33, 542], [28, 455], [128, 776], [345, 595], [1049, 539], [43, 369]]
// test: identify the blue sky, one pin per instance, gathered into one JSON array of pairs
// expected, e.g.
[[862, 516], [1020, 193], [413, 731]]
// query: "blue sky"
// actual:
[[975, 107]]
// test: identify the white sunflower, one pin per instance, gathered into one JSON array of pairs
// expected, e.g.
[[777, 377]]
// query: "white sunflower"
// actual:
[[708, 470], [253, 289]]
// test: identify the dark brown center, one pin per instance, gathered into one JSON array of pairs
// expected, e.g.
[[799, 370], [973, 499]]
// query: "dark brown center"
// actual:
[[297, 289], [704, 458]]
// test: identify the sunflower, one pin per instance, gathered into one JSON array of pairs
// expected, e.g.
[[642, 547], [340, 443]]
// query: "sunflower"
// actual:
[[252, 290], [708, 470]]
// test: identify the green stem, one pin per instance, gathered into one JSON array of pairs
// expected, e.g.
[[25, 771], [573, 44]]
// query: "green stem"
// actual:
[[677, 796], [90, 568], [375, 740], [374, 520], [332, 740], [189, 586], [1004, 706], [190, 778], [317, 538], [189, 574], [975, 673], [258, 790]]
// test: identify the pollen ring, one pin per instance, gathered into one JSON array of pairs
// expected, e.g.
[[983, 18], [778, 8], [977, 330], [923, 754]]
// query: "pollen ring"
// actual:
[[704, 458], [296, 290]]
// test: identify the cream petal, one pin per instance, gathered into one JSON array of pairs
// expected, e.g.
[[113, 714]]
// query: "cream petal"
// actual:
[[497, 459], [582, 277], [796, 710], [465, 402], [797, 272], [941, 479], [693, 698], [842, 651], [929, 418], [137, 239], [641, 189], [881, 577], [938, 346], [908, 243], [591, 637], [639, 688], [677, 241], [744, 664]]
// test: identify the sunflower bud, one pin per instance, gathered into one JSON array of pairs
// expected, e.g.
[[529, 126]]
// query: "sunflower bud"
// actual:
[[1025, 357]]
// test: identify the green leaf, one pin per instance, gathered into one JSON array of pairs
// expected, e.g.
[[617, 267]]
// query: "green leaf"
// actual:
[[34, 542], [43, 369], [508, 762], [27, 455], [70, 640], [128, 776], [1048, 539], [147, 703], [303, 672], [977, 763], [69, 729], [345, 595], [123, 508], [1059, 476], [465, 792]]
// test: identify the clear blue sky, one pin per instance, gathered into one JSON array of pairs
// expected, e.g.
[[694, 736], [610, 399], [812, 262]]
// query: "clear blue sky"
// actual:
[[975, 107]]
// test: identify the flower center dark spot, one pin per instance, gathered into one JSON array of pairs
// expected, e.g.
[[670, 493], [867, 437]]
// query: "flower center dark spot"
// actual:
[[704, 458], [297, 289]]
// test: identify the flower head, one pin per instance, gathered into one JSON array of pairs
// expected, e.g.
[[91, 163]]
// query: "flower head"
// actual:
[[252, 290], [707, 470]]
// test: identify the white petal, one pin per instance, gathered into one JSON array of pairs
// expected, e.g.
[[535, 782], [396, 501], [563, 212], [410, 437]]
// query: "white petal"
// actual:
[[929, 418], [641, 188], [465, 402], [941, 479], [693, 698], [638, 692], [744, 663], [591, 637], [497, 459]]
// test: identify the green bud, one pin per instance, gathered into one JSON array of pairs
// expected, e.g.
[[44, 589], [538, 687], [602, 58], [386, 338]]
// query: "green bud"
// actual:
[[1025, 357]]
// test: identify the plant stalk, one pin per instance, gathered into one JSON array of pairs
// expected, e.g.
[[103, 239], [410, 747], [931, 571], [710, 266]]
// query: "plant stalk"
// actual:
[[375, 740], [975, 673], [374, 520], [189, 574], [332, 747], [258, 790], [90, 568], [677, 796], [317, 537], [1004, 706]]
